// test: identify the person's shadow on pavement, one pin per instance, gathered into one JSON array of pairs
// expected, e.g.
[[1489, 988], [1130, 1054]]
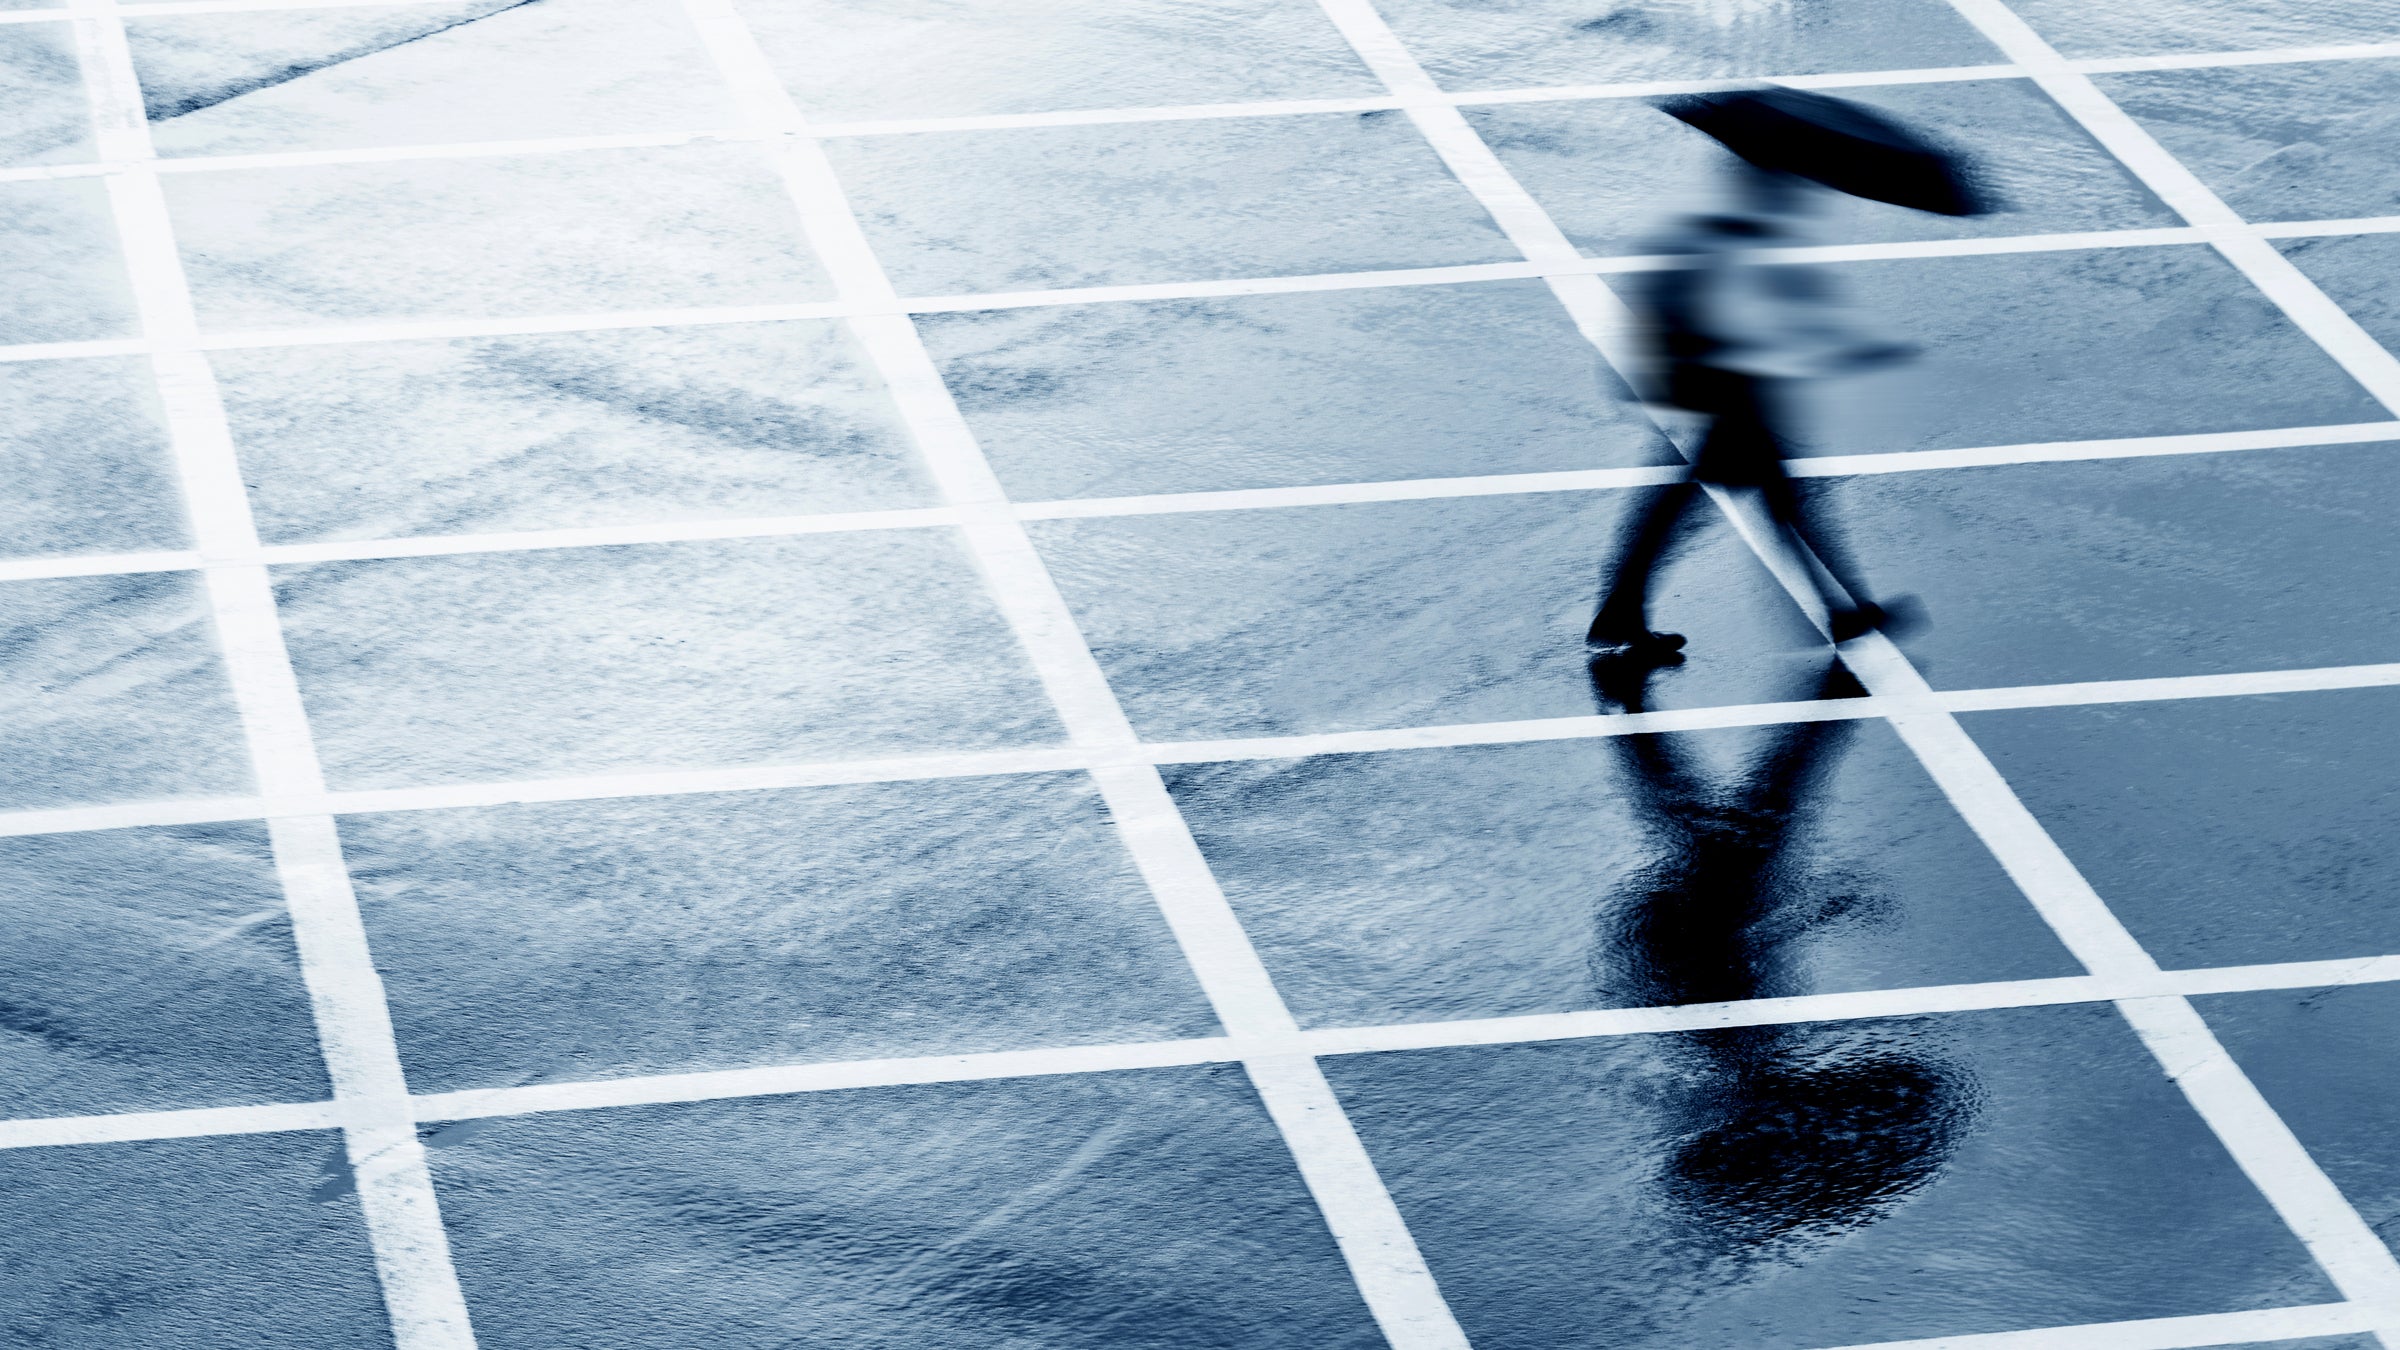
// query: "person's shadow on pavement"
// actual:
[[1778, 1137]]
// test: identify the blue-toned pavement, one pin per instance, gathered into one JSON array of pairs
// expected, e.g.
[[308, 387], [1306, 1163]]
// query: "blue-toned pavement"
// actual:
[[909, 674]]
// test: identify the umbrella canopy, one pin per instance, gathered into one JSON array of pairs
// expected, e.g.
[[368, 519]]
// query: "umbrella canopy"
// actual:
[[1843, 145]]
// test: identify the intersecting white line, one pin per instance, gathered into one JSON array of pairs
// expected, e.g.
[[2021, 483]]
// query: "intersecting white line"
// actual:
[[2300, 299], [1365, 1226], [312, 851], [2357, 1261], [420, 1288], [2265, 1149]]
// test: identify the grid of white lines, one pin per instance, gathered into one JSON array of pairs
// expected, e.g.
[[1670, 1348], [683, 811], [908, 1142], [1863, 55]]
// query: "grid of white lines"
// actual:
[[378, 1115]]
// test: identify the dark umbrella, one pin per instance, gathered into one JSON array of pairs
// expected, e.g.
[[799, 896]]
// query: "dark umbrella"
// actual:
[[1843, 145]]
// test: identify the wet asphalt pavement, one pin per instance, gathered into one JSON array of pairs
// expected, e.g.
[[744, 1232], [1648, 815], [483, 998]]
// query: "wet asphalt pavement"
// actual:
[[581, 778]]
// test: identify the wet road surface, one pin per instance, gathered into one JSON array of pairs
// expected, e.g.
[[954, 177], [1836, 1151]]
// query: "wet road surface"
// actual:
[[907, 674]]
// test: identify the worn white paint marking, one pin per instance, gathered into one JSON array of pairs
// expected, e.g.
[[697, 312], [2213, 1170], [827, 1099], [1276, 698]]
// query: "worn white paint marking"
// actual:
[[1396, 1287], [2161, 1333], [420, 1288], [2332, 1229], [2300, 299]]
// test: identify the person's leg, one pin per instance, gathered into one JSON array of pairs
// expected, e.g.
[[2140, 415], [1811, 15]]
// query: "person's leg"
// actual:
[[1624, 615], [1804, 528]]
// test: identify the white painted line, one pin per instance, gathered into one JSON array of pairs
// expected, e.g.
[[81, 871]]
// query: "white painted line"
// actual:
[[132, 815], [848, 1075], [2132, 447], [44, 173], [1668, 88], [2311, 229], [420, 1288], [1236, 499], [2281, 975], [171, 8], [2269, 56], [835, 1076], [2161, 1333], [1352, 494], [1857, 1006], [1225, 287], [387, 154], [1521, 732], [1560, 266], [36, 15], [679, 782], [2334, 1232], [1060, 759], [2160, 688], [1083, 117], [43, 568], [1607, 1022], [609, 536], [135, 1126], [456, 327], [1373, 1237], [1967, 246]]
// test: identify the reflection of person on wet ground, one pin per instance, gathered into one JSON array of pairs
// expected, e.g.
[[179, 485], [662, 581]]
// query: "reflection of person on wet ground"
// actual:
[[1734, 336], [1782, 1135]]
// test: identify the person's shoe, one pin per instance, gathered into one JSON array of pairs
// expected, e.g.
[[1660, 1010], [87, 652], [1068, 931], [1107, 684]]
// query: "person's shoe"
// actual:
[[1629, 633], [1903, 615], [1638, 645], [1850, 624]]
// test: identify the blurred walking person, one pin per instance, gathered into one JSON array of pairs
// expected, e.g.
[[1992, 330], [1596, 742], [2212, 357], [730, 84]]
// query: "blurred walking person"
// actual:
[[1733, 335]]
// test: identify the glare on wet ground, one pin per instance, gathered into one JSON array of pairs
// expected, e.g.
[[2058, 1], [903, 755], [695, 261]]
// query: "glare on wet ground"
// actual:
[[908, 673]]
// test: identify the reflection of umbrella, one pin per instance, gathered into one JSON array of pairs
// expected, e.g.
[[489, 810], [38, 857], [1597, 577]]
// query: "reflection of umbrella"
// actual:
[[1843, 145]]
